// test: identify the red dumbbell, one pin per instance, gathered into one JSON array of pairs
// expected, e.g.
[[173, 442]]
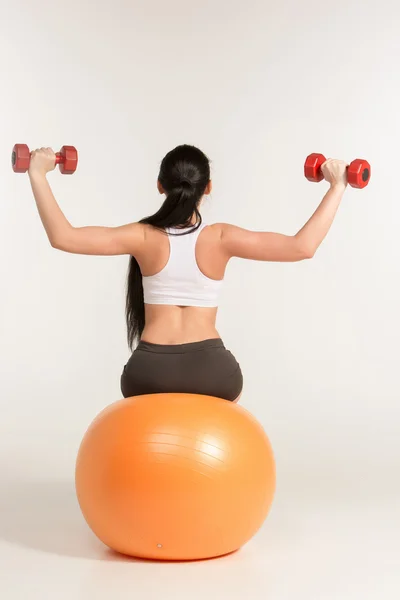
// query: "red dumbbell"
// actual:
[[67, 159], [358, 172]]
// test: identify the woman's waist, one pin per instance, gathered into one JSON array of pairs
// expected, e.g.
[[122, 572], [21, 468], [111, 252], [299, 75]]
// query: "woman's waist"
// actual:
[[170, 325], [180, 348], [168, 338]]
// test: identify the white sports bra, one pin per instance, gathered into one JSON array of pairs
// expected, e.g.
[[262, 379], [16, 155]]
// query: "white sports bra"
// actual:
[[180, 282]]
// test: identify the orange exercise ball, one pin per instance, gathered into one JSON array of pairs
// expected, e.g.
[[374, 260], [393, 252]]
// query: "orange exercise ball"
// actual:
[[175, 476]]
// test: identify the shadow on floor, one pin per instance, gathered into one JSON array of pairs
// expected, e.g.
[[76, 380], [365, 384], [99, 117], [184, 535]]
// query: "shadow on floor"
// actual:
[[45, 516]]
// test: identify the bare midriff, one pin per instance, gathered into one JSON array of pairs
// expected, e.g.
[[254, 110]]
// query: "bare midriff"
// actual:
[[170, 325]]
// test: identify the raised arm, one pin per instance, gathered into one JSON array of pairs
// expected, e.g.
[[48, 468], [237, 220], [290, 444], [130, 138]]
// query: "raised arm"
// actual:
[[265, 246], [78, 240]]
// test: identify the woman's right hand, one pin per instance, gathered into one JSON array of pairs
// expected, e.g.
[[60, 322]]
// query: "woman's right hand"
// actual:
[[335, 172], [42, 161]]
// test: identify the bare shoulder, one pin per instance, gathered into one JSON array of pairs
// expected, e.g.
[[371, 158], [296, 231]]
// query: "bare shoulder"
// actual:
[[134, 233], [150, 233], [221, 235], [137, 230], [153, 237], [214, 231], [228, 228], [228, 232], [237, 241]]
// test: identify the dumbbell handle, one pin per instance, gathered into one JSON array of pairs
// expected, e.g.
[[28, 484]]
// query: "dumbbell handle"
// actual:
[[59, 158]]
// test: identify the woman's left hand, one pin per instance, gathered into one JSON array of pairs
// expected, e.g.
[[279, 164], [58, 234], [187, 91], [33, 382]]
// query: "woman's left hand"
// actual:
[[42, 161]]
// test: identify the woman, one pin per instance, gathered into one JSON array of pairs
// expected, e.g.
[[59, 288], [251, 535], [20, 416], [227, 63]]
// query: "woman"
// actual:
[[176, 271]]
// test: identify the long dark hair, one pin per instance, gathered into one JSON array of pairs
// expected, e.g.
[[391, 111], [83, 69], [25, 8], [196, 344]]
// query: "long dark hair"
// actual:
[[184, 176]]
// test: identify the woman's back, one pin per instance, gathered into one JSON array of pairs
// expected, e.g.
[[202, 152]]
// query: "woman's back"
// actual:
[[169, 319]]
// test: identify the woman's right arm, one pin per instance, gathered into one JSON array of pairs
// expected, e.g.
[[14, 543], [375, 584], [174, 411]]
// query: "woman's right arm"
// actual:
[[101, 241], [265, 246]]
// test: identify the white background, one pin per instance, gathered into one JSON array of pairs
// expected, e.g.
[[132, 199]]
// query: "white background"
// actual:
[[257, 85]]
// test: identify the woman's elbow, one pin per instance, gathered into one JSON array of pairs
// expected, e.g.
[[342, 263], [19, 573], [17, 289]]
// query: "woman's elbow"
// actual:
[[60, 243], [55, 243], [306, 252]]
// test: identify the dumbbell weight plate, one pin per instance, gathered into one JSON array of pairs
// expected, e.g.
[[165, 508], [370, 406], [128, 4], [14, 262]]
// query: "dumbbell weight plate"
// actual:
[[312, 167], [68, 160], [20, 158], [359, 173]]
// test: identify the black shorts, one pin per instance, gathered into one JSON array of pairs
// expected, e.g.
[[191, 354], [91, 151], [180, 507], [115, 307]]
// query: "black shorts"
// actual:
[[198, 368]]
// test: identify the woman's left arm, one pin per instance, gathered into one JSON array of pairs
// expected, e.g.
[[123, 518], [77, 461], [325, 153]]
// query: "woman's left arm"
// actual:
[[78, 240]]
